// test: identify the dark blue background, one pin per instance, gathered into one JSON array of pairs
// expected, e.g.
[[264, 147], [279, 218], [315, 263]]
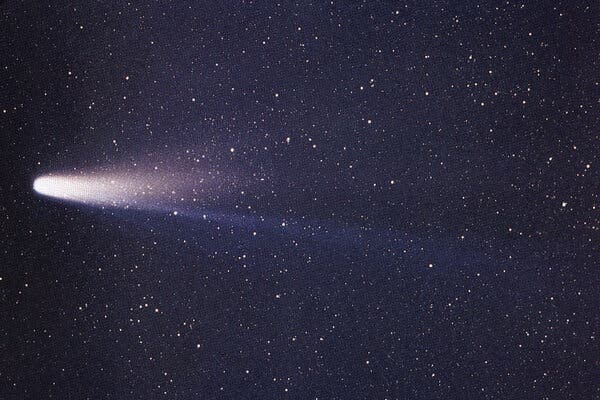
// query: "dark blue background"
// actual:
[[473, 275]]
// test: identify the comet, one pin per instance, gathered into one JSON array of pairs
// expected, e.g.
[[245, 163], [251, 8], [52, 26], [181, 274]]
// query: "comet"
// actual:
[[183, 195]]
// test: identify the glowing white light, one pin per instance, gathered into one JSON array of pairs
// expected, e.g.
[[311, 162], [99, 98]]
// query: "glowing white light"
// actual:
[[60, 187], [93, 190], [141, 190]]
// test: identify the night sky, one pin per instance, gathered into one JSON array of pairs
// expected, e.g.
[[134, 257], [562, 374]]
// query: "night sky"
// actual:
[[300, 200]]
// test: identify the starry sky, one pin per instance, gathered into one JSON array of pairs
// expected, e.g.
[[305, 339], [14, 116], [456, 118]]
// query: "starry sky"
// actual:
[[346, 200]]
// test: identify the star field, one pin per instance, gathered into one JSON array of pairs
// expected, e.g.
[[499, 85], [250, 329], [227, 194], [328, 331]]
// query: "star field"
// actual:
[[300, 200]]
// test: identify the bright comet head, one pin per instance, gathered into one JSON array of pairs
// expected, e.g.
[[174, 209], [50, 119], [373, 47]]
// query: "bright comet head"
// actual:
[[48, 186], [106, 190], [67, 187], [149, 190]]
